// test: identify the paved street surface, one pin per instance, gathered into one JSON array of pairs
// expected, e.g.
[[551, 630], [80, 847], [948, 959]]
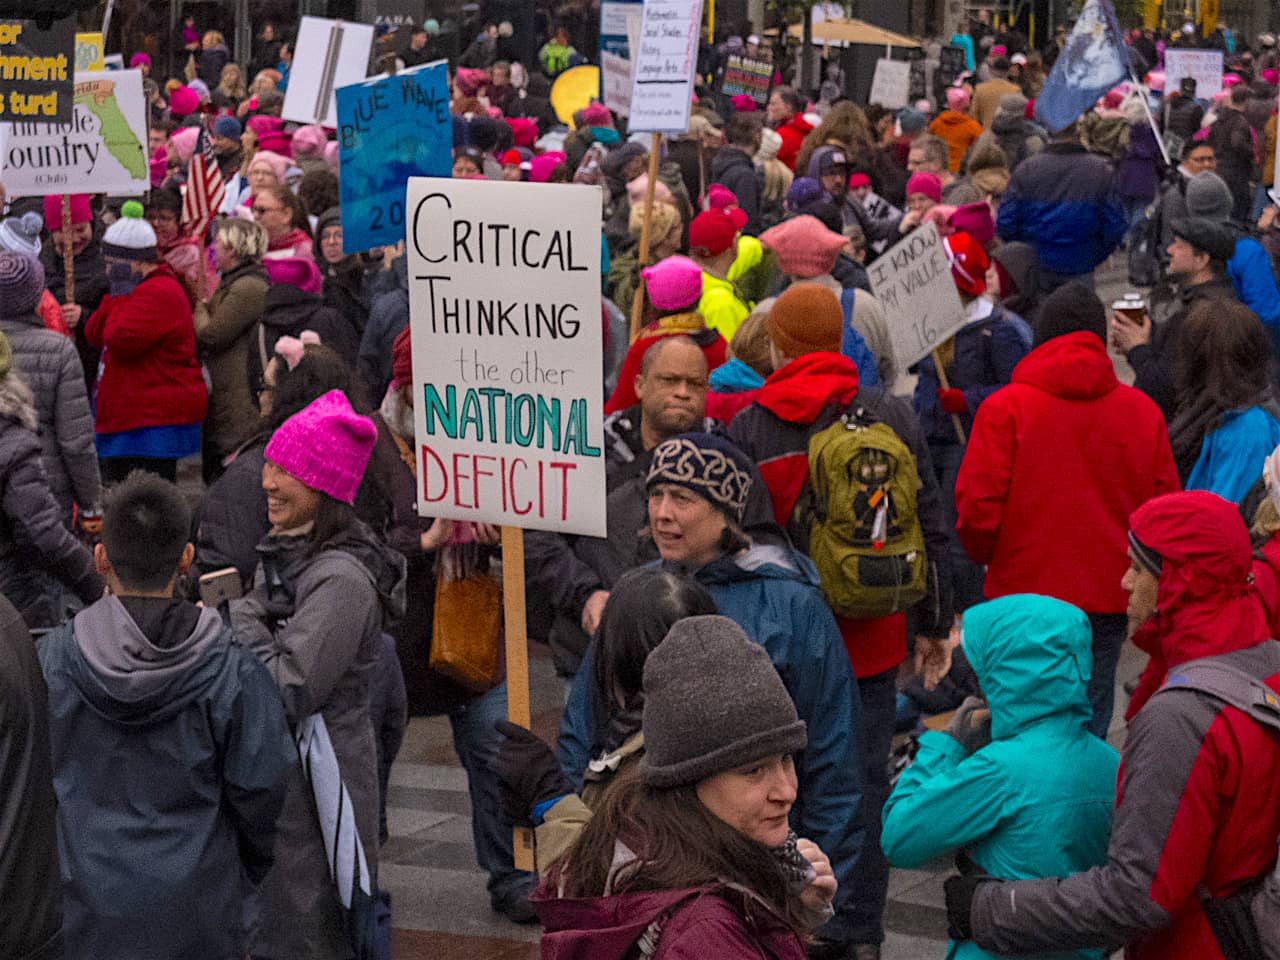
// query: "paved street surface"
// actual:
[[439, 905]]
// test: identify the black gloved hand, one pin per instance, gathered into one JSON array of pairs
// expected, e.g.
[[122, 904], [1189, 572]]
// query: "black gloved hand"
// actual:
[[527, 770], [959, 891]]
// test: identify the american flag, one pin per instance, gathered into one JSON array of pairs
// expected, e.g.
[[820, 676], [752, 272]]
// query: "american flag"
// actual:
[[205, 188]]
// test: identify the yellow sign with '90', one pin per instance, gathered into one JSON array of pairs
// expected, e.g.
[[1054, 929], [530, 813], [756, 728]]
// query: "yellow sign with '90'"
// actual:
[[89, 52]]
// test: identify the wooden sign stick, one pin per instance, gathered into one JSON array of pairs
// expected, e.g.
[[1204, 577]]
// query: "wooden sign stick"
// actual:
[[637, 302], [942, 379], [68, 254], [517, 648]]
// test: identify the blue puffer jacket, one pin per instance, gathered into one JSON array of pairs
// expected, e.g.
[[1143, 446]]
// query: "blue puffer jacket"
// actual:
[[1036, 801], [986, 352], [772, 593], [1062, 202]]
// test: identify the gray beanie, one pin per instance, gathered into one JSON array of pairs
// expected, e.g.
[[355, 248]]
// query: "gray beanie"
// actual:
[[1208, 196], [712, 702], [1012, 103], [21, 284], [22, 234]]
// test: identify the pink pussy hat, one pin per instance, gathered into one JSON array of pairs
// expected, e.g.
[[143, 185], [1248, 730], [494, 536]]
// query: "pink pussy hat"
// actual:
[[673, 283], [326, 446]]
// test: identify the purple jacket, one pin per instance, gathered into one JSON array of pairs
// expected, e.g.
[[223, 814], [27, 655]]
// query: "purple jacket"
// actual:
[[694, 924], [1140, 170]]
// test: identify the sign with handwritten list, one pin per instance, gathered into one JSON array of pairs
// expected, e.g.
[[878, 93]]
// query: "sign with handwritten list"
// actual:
[[664, 64]]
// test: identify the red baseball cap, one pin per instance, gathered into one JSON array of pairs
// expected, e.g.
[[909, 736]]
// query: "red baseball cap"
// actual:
[[512, 158], [858, 180], [714, 230]]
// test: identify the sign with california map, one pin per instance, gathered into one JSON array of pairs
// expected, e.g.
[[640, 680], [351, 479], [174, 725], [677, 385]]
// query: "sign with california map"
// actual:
[[103, 149]]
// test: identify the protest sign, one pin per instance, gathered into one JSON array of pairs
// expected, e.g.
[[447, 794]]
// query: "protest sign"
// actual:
[[504, 301], [744, 75], [36, 70], [328, 54], [919, 88], [616, 79], [951, 64], [664, 65], [89, 52], [390, 129], [891, 84], [102, 149], [619, 29], [912, 280], [1204, 65]]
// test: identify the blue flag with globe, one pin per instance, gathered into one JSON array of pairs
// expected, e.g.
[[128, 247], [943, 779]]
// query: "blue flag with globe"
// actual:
[[1093, 60]]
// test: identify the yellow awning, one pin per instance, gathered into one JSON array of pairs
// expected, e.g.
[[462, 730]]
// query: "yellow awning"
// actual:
[[853, 31]]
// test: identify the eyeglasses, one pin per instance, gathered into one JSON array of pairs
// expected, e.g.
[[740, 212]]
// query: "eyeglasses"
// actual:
[[258, 208]]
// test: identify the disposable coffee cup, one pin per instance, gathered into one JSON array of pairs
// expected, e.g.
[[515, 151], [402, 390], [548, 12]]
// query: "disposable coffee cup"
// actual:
[[1132, 307]]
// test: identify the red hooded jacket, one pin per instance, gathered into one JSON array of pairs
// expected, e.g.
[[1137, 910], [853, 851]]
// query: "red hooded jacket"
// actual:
[[774, 431], [1056, 463], [1196, 805], [150, 374], [793, 133]]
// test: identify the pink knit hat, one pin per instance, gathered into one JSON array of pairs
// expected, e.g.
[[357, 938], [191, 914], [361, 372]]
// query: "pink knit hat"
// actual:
[[743, 103], [184, 141], [804, 247], [331, 155], [719, 197], [274, 162], [183, 101], [80, 211], [673, 283], [326, 446], [540, 167], [524, 132], [957, 99], [300, 272], [596, 114], [927, 184], [309, 141], [975, 220]]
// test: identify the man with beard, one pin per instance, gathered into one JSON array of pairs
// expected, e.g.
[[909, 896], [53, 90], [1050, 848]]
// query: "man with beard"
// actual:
[[574, 574]]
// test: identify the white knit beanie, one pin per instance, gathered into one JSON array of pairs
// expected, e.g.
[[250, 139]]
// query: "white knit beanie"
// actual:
[[130, 237]]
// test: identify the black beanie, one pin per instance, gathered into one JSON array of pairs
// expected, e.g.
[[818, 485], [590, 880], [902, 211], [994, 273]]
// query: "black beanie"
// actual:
[[713, 701], [1071, 308]]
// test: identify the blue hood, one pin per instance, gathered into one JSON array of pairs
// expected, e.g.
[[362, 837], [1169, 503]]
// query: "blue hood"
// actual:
[[734, 376], [1032, 656]]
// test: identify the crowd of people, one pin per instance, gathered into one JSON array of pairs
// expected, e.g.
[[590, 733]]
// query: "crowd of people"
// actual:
[[811, 543]]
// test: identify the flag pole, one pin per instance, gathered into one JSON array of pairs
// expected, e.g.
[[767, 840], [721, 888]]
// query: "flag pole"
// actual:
[[1146, 109]]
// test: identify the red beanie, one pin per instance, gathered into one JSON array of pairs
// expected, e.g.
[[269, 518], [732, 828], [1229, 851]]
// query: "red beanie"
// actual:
[[402, 359], [968, 263], [714, 230]]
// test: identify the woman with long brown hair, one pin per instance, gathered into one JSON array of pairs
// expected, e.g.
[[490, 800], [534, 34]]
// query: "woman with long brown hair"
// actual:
[[845, 127], [691, 851], [1228, 416]]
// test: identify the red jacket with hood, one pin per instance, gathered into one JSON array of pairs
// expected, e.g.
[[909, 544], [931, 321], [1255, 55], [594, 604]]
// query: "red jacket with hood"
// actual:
[[793, 133], [150, 374], [1196, 804], [1056, 462], [806, 395]]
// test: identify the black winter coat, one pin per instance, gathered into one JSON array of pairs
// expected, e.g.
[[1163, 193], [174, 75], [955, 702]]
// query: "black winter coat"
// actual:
[[286, 312], [734, 169], [33, 537]]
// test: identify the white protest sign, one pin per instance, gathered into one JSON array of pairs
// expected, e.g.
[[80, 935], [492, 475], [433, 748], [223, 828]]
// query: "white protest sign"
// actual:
[[664, 61], [615, 82], [912, 279], [102, 150], [891, 85], [328, 54], [504, 301], [1204, 65]]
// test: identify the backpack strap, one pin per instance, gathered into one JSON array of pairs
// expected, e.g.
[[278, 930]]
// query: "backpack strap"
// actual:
[[1231, 685]]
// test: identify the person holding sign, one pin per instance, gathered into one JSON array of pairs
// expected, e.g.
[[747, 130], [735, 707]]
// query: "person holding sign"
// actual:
[[979, 360]]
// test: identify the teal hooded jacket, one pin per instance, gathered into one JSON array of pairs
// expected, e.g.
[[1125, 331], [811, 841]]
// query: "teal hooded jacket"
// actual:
[[1037, 800]]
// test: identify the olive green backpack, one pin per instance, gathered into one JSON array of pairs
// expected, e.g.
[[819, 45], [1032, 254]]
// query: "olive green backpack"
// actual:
[[865, 536]]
